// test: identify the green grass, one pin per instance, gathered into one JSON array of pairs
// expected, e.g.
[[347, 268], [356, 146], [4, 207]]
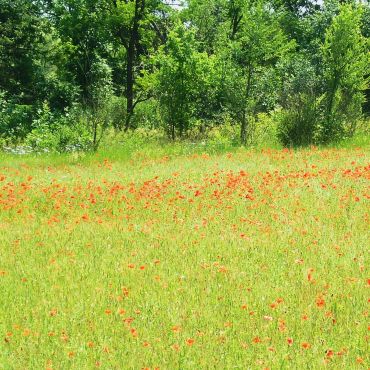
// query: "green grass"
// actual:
[[168, 258]]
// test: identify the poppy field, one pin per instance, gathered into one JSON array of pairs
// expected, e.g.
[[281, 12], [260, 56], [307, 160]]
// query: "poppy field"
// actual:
[[255, 259]]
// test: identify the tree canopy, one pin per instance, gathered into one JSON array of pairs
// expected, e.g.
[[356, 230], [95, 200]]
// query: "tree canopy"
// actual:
[[147, 63]]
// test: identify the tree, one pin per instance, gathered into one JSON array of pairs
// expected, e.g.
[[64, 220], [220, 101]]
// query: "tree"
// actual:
[[101, 92], [81, 28], [32, 65], [346, 64], [299, 97], [20, 36], [207, 17], [181, 79], [258, 43], [137, 23]]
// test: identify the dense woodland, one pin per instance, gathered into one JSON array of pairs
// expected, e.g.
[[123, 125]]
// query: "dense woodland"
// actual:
[[73, 70]]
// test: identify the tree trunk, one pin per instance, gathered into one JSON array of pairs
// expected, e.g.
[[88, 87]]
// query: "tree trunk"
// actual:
[[236, 17], [173, 131], [332, 92], [131, 59], [95, 133], [130, 83], [243, 128]]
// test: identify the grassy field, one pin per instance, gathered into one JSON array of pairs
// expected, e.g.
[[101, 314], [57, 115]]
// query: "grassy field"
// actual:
[[254, 259]]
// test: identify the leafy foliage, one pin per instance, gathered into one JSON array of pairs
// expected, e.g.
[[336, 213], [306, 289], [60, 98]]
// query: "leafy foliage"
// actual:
[[184, 81], [345, 60], [127, 64]]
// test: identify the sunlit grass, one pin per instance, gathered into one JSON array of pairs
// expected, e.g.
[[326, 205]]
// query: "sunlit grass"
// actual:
[[251, 259]]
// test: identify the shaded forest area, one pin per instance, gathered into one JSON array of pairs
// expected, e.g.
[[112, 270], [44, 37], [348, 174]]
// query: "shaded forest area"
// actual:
[[72, 70]]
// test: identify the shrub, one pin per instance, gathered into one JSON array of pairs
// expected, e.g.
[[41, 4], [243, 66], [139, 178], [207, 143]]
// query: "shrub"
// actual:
[[15, 119], [297, 120], [52, 133], [225, 133], [117, 107], [147, 115], [264, 130], [297, 125]]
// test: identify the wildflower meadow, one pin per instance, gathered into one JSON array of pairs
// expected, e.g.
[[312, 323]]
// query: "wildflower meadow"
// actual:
[[253, 259]]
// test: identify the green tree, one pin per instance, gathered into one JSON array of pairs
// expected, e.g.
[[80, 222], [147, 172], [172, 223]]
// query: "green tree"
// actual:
[[140, 27], [182, 80], [298, 96], [208, 18], [346, 64], [101, 92], [257, 44], [32, 65], [80, 25], [19, 34]]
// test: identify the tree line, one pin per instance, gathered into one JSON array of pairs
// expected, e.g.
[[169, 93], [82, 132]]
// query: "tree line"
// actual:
[[71, 69]]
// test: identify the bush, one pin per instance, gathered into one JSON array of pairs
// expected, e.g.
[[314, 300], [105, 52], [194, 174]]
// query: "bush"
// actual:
[[225, 133], [147, 114], [297, 126], [64, 139], [264, 130], [15, 119], [53, 133], [117, 106], [297, 120]]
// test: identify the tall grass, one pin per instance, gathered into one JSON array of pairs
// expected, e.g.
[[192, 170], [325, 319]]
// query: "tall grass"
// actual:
[[171, 257]]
